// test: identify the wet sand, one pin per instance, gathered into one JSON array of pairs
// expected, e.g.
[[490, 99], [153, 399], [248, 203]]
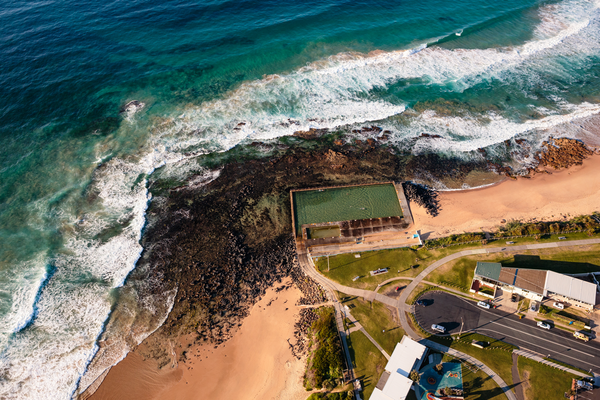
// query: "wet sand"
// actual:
[[256, 363], [544, 197]]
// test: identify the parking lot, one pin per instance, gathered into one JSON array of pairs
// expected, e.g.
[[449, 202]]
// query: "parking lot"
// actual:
[[444, 309]]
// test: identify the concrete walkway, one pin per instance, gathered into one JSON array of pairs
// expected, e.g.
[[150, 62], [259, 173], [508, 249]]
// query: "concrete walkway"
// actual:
[[330, 287], [358, 327], [402, 306], [517, 378], [536, 357], [458, 354]]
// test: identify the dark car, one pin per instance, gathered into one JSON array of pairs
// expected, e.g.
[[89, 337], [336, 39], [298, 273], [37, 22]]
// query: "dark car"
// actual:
[[421, 303], [514, 298]]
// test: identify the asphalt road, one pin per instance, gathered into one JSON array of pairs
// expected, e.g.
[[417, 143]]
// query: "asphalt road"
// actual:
[[450, 311]]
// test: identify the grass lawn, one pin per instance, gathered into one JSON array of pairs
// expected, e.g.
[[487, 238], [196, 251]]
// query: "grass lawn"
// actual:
[[499, 360], [456, 273], [392, 285], [478, 385], [563, 260], [543, 382], [376, 317], [344, 267], [368, 362], [417, 292]]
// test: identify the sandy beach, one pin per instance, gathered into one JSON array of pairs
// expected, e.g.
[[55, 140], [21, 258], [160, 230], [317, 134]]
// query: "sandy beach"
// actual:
[[544, 197], [256, 363]]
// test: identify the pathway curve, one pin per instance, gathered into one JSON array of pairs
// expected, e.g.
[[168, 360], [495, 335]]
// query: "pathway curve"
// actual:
[[330, 287], [403, 307], [517, 378], [458, 354]]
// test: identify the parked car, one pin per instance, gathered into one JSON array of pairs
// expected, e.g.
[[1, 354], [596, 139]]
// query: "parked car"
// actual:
[[438, 328], [483, 304], [421, 303], [544, 325], [535, 306], [558, 305], [514, 298], [581, 335]]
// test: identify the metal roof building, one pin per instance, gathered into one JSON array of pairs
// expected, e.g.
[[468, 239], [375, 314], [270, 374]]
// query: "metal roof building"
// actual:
[[394, 383], [571, 288], [537, 284]]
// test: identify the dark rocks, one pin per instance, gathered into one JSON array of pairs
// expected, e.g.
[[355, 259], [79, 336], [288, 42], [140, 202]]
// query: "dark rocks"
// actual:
[[429, 136], [423, 196], [563, 153], [312, 133]]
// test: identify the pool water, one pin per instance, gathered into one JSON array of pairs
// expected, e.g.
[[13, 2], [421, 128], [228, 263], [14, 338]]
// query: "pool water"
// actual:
[[431, 381], [345, 204]]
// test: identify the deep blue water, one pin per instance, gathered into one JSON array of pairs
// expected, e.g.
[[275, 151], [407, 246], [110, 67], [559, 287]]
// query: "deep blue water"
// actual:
[[74, 168]]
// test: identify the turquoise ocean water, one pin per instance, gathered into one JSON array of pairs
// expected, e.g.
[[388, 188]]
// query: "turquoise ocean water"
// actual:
[[74, 166]]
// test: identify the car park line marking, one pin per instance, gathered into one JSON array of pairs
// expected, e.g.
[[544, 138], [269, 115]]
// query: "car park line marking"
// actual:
[[562, 354]]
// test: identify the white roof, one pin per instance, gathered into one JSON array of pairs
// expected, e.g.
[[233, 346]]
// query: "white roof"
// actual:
[[571, 287], [379, 395], [404, 356], [397, 387]]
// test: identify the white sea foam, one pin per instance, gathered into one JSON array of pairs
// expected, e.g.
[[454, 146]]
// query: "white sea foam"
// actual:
[[337, 91], [47, 358]]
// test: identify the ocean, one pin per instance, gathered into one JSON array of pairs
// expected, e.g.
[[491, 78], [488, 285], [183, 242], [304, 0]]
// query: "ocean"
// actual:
[[212, 76]]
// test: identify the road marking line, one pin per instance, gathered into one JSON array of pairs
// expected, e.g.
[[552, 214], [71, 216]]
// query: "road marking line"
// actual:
[[562, 354], [547, 340]]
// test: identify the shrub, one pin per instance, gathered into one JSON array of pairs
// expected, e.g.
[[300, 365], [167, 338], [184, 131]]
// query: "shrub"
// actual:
[[326, 362], [414, 376]]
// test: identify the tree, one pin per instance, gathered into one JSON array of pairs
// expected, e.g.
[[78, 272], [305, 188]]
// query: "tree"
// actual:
[[414, 376], [439, 368]]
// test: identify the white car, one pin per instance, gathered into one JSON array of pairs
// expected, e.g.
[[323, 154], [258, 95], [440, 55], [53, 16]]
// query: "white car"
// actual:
[[543, 325], [438, 328], [558, 305], [484, 304]]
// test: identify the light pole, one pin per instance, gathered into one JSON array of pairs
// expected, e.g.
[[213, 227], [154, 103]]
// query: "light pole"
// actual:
[[327, 262], [461, 327]]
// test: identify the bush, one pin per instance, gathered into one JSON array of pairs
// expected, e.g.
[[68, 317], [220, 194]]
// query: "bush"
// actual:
[[326, 362]]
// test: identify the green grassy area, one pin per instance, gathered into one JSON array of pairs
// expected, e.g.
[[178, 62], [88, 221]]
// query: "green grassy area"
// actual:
[[457, 274], [391, 285], [418, 291], [345, 395], [497, 356], [567, 365], [344, 267], [543, 382], [368, 362], [325, 362], [478, 385], [375, 317]]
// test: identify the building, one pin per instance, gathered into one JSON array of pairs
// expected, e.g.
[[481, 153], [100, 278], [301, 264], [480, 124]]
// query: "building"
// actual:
[[395, 383], [535, 284]]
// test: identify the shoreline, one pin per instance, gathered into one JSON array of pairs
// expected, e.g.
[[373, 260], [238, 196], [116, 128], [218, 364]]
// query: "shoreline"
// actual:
[[256, 363], [552, 196]]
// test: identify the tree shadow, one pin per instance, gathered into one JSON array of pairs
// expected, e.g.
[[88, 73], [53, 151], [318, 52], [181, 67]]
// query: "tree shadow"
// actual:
[[535, 262]]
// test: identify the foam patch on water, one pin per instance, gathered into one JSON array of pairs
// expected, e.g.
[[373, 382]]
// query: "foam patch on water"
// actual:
[[47, 352], [339, 91]]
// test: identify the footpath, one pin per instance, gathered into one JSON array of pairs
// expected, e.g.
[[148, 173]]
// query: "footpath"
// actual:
[[402, 308]]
